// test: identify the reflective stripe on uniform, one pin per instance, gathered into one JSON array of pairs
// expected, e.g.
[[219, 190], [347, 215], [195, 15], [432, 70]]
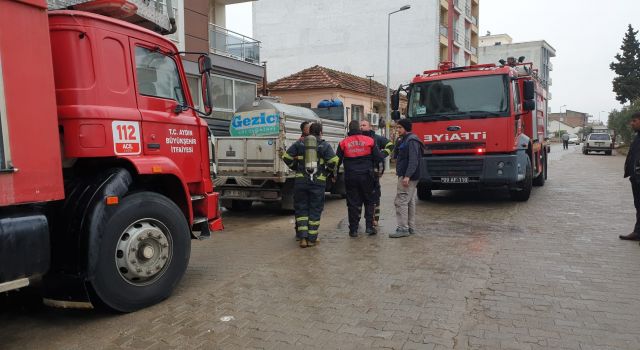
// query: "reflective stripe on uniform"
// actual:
[[313, 232], [287, 156], [303, 228], [302, 218], [322, 178], [299, 174], [316, 223], [299, 157]]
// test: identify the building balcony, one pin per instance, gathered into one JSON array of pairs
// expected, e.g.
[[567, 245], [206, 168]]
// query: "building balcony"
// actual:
[[467, 44], [225, 42], [444, 4], [550, 65], [456, 6], [474, 51], [467, 11], [474, 20], [457, 36], [444, 31]]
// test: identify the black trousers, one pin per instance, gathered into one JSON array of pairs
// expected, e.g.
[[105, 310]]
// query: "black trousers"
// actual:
[[635, 188], [308, 203], [565, 144], [360, 191]]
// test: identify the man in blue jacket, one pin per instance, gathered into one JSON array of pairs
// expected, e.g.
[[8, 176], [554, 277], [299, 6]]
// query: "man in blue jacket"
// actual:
[[408, 153]]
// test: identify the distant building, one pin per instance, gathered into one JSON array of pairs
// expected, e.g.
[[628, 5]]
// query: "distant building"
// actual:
[[351, 36], [493, 48], [570, 121]]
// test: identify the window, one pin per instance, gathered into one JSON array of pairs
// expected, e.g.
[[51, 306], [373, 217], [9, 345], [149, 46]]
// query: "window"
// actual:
[[222, 93], [599, 137], [195, 90], [357, 112], [229, 94], [158, 75], [516, 97]]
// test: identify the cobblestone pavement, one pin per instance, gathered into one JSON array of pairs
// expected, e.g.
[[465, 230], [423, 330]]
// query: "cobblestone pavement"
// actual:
[[481, 273]]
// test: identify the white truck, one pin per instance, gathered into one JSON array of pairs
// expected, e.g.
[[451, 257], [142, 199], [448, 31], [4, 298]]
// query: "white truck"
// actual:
[[249, 164]]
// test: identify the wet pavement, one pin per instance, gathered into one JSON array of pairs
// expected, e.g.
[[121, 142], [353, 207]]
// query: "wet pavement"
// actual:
[[482, 272]]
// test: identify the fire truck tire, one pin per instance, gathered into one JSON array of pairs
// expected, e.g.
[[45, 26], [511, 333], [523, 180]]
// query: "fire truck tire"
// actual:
[[143, 254], [523, 191], [424, 192], [542, 177]]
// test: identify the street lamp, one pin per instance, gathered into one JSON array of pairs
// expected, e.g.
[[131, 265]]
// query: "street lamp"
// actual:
[[388, 107]]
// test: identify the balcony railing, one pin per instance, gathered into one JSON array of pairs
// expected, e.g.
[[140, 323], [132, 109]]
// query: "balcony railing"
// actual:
[[467, 44], [456, 4], [229, 43], [467, 11], [444, 31], [458, 37], [474, 20], [474, 51]]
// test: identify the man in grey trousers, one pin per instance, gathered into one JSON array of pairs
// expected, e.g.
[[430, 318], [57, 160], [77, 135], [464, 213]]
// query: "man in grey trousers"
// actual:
[[408, 152]]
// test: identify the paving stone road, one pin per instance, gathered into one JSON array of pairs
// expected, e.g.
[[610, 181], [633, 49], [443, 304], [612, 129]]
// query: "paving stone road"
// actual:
[[482, 272]]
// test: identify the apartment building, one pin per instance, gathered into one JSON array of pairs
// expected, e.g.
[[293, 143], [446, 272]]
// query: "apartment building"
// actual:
[[350, 36], [500, 46], [236, 58], [459, 31]]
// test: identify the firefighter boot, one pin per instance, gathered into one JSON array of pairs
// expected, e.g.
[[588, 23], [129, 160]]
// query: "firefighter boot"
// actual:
[[303, 243]]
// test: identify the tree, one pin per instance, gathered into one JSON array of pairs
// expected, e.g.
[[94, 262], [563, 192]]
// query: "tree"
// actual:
[[626, 84], [619, 122]]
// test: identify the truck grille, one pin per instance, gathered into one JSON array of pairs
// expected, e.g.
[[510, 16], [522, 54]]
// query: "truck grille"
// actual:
[[454, 167]]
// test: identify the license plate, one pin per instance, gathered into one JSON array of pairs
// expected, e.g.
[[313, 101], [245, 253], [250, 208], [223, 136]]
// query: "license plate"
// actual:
[[454, 180], [599, 143], [235, 193]]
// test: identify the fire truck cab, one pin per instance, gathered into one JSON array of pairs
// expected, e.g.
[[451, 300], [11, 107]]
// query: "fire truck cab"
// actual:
[[482, 126], [104, 161]]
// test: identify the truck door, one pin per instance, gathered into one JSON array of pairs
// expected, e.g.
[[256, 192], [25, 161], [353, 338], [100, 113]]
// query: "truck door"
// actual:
[[167, 129]]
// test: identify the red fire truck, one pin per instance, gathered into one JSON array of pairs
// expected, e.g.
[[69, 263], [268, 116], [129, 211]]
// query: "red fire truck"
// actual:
[[104, 161], [482, 126]]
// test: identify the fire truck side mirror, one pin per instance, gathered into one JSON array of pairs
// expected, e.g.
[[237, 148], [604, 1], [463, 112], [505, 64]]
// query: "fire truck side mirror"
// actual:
[[395, 115], [395, 100], [529, 105], [528, 90], [204, 64], [206, 93]]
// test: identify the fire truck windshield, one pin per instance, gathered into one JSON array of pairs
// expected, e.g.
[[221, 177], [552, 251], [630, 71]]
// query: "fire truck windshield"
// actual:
[[461, 98]]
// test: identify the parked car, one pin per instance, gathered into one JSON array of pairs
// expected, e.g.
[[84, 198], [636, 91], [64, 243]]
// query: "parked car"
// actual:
[[599, 141], [573, 139]]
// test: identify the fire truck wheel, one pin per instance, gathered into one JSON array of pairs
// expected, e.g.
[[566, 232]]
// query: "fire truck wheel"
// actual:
[[424, 192], [143, 254], [540, 179], [523, 191]]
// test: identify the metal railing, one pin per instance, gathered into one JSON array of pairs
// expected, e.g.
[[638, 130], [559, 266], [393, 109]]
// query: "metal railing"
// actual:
[[444, 31], [474, 20], [457, 36], [474, 51], [467, 44], [456, 3], [229, 43], [467, 11]]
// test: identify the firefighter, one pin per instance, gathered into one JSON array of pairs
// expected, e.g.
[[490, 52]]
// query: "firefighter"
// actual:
[[386, 147], [304, 128], [359, 154], [313, 160]]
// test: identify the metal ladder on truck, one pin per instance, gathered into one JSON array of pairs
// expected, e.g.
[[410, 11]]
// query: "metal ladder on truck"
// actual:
[[155, 15]]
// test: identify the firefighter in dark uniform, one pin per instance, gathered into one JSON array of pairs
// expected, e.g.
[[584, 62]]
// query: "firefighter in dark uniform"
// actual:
[[386, 147], [632, 171], [313, 160], [359, 154]]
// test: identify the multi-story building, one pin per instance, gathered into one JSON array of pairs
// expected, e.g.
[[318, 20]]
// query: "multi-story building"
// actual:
[[500, 46], [351, 36], [235, 57], [459, 31]]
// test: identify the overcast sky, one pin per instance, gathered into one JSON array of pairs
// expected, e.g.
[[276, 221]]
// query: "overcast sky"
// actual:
[[585, 33]]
